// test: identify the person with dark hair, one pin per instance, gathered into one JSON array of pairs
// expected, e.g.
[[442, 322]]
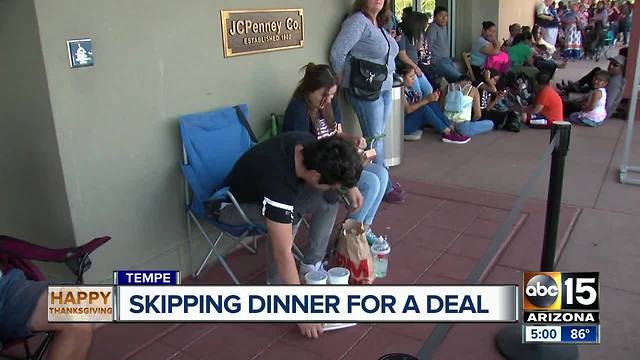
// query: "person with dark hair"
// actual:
[[421, 111], [312, 109], [409, 43], [490, 97], [573, 42], [594, 110], [486, 45], [280, 180], [547, 107], [615, 87], [521, 53], [362, 37], [438, 38], [626, 14], [514, 29], [466, 118]]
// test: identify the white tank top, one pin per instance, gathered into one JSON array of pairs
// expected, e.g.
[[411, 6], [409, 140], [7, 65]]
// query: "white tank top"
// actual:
[[599, 112]]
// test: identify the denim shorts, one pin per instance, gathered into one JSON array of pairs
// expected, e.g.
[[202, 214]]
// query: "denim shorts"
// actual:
[[18, 300]]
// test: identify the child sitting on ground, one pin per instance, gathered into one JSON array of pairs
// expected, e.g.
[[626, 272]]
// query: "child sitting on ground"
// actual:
[[461, 102], [547, 107], [422, 111], [594, 110]]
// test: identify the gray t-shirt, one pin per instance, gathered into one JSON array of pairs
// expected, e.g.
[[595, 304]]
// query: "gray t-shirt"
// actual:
[[407, 45], [438, 39], [615, 91], [478, 58], [361, 39]]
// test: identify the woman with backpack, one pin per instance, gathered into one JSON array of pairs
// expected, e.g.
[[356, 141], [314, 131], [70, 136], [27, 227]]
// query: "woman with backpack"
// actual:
[[461, 102], [363, 58]]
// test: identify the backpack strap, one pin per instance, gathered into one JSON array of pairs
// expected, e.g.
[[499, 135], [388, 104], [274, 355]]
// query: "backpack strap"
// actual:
[[470, 86], [245, 123]]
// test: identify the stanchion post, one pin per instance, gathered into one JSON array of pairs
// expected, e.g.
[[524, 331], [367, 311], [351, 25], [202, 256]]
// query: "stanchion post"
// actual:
[[509, 340], [554, 197]]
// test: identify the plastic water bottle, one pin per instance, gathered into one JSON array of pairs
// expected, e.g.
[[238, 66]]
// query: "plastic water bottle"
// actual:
[[380, 250]]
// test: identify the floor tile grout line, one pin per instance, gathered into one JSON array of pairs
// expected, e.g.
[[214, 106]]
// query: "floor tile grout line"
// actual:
[[429, 213], [566, 236], [606, 173], [443, 251], [149, 342], [357, 342], [197, 338], [270, 345]]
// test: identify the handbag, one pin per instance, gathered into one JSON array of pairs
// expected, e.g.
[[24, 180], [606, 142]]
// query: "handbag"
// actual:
[[367, 77]]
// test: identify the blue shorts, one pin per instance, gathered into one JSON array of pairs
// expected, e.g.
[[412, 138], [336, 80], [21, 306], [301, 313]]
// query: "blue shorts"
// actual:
[[18, 300]]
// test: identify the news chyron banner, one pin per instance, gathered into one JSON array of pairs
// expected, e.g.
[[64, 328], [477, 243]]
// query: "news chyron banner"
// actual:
[[561, 307], [157, 297]]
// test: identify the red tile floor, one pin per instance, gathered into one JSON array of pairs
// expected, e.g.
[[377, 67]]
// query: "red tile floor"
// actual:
[[438, 235]]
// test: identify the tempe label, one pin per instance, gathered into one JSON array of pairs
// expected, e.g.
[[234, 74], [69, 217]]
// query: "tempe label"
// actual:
[[254, 31]]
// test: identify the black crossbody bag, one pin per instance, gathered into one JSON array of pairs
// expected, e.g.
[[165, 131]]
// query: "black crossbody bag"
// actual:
[[367, 77]]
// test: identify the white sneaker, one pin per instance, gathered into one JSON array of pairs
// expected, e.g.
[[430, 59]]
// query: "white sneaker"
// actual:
[[306, 268], [414, 136]]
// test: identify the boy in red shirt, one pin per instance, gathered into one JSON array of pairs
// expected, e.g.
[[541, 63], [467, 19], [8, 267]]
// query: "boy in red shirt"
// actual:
[[547, 108]]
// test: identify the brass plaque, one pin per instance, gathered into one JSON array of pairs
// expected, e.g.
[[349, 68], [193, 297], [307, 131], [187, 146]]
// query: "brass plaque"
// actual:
[[253, 31]]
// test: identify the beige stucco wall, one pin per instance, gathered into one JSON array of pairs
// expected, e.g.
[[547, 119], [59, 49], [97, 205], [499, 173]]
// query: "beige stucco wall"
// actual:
[[33, 202], [514, 11], [116, 122]]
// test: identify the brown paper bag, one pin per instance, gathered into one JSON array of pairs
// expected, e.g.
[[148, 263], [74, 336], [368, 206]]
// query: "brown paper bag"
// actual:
[[353, 253]]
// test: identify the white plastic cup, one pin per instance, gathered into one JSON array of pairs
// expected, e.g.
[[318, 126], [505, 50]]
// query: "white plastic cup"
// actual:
[[339, 276], [316, 278]]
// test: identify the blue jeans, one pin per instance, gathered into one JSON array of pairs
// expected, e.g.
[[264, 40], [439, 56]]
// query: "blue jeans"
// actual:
[[422, 86], [473, 128], [447, 69], [373, 117], [373, 184], [427, 115], [578, 118], [18, 300]]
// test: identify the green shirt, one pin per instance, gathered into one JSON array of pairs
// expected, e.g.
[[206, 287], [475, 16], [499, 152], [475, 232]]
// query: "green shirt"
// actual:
[[519, 53]]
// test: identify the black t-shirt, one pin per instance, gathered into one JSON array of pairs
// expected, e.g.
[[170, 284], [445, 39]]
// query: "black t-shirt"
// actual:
[[485, 96], [266, 174]]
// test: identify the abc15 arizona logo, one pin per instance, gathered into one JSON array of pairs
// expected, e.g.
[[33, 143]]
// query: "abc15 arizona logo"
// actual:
[[561, 297]]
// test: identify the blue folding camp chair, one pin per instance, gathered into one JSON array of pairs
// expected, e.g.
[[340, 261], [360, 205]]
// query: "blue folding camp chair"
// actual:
[[212, 142]]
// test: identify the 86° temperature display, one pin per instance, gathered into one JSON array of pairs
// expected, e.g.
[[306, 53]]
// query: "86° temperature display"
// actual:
[[562, 334]]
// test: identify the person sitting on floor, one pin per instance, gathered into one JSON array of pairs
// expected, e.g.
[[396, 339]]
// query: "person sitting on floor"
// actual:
[[615, 87], [547, 107], [490, 97], [23, 313], [280, 180], [312, 109], [438, 38], [521, 55], [425, 111], [485, 46], [463, 108], [514, 30], [594, 110]]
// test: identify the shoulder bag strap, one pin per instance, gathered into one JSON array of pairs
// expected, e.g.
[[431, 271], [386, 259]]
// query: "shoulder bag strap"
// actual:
[[388, 46], [245, 123]]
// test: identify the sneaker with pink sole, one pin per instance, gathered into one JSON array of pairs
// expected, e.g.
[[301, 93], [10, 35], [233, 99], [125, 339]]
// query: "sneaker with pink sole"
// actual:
[[453, 138]]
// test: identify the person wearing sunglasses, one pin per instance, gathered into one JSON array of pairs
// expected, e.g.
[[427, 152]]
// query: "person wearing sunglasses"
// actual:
[[614, 89], [311, 109]]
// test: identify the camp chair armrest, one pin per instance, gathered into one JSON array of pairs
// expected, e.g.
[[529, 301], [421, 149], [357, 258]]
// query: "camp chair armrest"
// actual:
[[226, 195]]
